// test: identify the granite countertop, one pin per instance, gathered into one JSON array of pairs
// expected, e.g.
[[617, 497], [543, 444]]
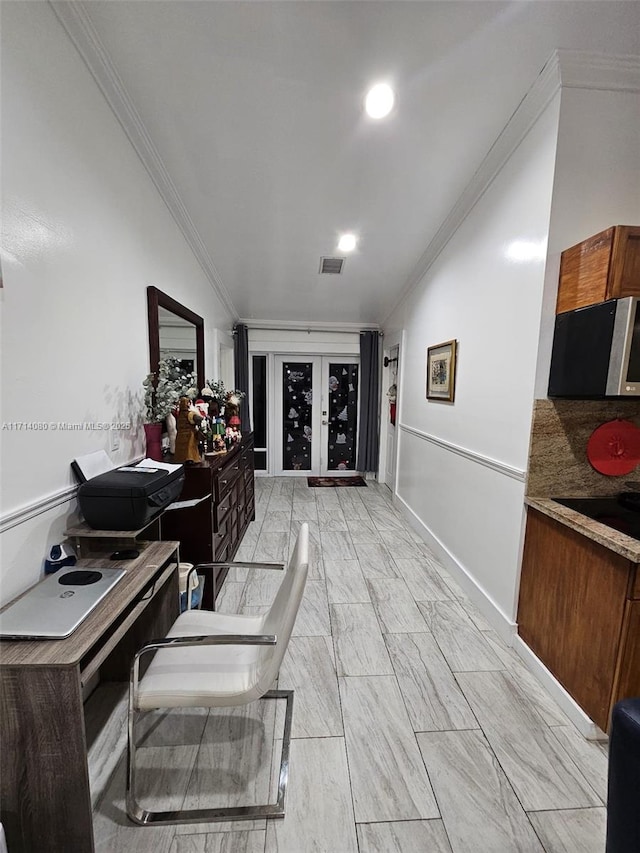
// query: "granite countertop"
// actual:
[[626, 546]]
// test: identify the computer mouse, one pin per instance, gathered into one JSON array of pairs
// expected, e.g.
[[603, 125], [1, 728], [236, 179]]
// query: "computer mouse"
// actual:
[[127, 554]]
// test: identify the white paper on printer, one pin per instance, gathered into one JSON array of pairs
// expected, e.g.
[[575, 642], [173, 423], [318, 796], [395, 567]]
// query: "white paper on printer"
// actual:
[[93, 464], [164, 466]]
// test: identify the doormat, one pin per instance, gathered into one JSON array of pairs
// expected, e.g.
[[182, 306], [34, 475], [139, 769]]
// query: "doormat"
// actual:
[[335, 481]]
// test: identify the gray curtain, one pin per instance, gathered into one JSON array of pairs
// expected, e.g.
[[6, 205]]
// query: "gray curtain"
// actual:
[[241, 370], [369, 429]]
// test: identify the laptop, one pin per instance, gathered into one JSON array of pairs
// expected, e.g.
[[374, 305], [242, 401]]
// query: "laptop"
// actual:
[[53, 608]]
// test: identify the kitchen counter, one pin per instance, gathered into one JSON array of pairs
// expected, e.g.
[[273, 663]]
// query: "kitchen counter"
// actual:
[[614, 540]]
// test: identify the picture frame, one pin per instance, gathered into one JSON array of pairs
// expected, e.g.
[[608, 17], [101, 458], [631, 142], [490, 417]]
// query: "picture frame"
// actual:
[[441, 371]]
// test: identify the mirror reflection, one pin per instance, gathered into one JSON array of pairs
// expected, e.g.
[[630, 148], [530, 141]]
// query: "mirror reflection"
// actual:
[[174, 331], [177, 338]]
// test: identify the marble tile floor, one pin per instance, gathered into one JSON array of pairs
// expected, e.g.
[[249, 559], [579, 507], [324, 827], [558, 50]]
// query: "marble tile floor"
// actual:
[[415, 728]]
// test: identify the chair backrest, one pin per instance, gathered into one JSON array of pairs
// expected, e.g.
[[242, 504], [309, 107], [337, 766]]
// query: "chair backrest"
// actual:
[[281, 617]]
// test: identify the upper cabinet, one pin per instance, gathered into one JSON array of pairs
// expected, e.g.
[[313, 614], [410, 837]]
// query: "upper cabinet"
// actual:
[[606, 266]]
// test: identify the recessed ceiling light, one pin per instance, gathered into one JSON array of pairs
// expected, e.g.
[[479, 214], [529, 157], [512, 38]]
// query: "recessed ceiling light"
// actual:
[[527, 250], [379, 100], [347, 243]]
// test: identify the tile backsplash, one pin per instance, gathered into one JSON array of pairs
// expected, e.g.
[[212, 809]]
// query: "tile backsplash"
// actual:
[[560, 429]]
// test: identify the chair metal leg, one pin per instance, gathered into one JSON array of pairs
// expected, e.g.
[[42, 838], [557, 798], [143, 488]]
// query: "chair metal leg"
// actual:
[[144, 817]]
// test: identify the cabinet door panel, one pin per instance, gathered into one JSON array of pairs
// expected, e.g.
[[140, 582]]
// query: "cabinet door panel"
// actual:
[[628, 674], [625, 263], [572, 600]]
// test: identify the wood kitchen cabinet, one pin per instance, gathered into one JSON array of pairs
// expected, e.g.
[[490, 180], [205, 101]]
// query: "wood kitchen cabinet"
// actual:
[[222, 497], [579, 612], [605, 266]]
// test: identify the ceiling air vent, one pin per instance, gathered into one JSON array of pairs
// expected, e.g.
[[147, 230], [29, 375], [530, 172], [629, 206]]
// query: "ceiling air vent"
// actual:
[[331, 266]]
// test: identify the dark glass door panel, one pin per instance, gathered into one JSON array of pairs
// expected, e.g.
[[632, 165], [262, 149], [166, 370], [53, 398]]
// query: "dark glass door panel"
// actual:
[[342, 416], [297, 403], [259, 411]]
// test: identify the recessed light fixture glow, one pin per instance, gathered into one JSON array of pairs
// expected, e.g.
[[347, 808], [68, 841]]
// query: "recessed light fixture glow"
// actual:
[[522, 251], [379, 100], [347, 243]]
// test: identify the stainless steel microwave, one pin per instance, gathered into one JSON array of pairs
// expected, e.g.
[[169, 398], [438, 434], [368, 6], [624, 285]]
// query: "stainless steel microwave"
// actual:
[[596, 351]]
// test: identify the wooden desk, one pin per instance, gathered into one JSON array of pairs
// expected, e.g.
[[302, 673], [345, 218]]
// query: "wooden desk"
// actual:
[[45, 800], [87, 540]]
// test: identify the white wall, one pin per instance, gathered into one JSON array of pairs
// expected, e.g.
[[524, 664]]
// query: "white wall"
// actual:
[[313, 342], [84, 233], [597, 184], [576, 172], [461, 465]]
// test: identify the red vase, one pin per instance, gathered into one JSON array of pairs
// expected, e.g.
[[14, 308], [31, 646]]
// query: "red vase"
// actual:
[[153, 437]]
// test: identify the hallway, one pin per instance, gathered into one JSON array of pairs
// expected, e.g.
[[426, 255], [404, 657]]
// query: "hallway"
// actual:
[[415, 729]]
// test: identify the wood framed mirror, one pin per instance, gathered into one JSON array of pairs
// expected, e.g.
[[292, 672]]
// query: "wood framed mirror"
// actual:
[[175, 331]]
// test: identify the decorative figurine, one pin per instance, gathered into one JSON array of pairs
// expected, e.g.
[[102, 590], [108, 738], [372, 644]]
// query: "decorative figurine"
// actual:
[[219, 445], [172, 431], [187, 424], [233, 434]]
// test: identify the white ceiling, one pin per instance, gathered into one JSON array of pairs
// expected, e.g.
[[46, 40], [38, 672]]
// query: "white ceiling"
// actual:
[[255, 111]]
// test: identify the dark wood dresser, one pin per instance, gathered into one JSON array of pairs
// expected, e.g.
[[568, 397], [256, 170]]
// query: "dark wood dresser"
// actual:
[[221, 502]]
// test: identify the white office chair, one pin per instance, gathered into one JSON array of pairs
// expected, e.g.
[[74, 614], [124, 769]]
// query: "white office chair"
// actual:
[[213, 660]]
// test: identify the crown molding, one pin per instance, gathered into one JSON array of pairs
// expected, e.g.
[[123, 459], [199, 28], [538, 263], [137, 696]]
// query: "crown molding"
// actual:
[[313, 326], [580, 69], [77, 23], [575, 69]]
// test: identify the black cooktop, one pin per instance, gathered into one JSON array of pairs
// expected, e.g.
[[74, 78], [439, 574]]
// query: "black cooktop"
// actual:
[[620, 512]]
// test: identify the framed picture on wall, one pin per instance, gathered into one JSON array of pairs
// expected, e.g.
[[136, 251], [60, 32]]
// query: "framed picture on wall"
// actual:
[[441, 371]]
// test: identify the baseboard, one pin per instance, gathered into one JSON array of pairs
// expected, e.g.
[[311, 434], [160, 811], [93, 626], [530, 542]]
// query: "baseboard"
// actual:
[[480, 598], [565, 702], [502, 624]]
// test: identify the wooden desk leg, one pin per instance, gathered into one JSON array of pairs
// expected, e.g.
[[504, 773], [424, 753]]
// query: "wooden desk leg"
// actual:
[[44, 787]]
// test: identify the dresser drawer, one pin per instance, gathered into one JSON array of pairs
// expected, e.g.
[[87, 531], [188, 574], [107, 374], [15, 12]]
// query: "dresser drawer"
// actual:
[[222, 548], [221, 510], [223, 482]]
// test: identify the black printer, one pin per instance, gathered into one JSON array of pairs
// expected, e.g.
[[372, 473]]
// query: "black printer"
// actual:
[[128, 498]]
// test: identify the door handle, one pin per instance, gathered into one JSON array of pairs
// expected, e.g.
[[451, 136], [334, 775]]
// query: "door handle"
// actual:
[[324, 423]]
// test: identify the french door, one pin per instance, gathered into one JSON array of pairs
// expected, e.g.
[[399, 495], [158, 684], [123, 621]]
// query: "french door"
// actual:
[[316, 415]]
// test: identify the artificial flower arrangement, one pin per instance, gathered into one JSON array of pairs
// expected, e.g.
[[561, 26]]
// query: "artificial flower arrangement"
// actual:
[[215, 390], [163, 389], [221, 394]]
